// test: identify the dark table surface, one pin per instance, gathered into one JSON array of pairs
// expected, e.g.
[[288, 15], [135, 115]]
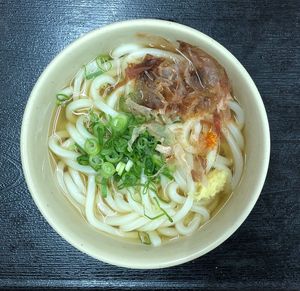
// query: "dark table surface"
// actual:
[[264, 252]]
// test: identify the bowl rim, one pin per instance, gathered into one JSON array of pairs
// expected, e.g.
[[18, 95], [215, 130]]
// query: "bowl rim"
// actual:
[[25, 129]]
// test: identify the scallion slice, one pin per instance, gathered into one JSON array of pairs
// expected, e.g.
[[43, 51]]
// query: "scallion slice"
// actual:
[[83, 160], [91, 146], [104, 63], [113, 156], [144, 238], [164, 211], [128, 166], [107, 170], [121, 145], [96, 162], [119, 123], [104, 187], [120, 168], [99, 132]]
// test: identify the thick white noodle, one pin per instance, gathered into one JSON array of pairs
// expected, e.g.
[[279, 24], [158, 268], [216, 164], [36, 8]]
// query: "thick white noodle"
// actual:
[[114, 97], [182, 212], [153, 225], [79, 78], [239, 113], [236, 133], [171, 191], [154, 238], [137, 223], [202, 211], [111, 202], [73, 189], [125, 49], [222, 160], [59, 150], [59, 170], [82, 129], [83, 169], [119, 220], [77, 105], [89, 210], [237, 157], [210, 159], [105, 108], [168, 231], [122, 204], [77, 179], [190, 228], [99, 82], [76, 136], [102, 207]]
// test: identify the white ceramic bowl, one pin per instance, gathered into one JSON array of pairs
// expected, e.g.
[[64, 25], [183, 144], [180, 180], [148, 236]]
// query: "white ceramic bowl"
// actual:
[[63, 217]]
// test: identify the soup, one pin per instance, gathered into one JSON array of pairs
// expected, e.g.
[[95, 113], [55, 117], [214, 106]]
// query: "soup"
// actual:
[[147, 140]]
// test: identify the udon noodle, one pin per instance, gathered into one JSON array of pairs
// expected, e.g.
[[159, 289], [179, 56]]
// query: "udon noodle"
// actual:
[[148, 139]]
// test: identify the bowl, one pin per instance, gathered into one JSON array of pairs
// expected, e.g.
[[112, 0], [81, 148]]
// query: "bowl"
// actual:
[[68, 222]]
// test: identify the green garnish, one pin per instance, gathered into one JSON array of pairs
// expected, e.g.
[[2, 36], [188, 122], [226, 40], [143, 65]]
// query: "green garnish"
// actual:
[[164, 211], [119, 123], [83, 160], [120, 168], [104, 63], [99, 132], [107, 170], [109, 153], [96, 162], [113, 156], [144, 238], [104, 187], [91, 146], [121, 145]]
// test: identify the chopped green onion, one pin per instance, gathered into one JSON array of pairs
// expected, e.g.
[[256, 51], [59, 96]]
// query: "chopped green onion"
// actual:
[[108, 147], [138, 168], [157, 160], [113, 156], [166, 172], [96, 162], [83, 160], [104, 187], [128, 166], [164, 211], [91, 70], [107, 170], [103, 62], [91, 146], [93, 117], [149, 166], [61, 98], [121, 145], [99, 132], [144, 238], [128, 180], [119, 123], [120, 168], [142, 143], [154, 217], [64, 95]]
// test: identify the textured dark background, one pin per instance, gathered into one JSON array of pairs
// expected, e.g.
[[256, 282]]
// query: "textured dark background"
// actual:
[[264, 252]]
